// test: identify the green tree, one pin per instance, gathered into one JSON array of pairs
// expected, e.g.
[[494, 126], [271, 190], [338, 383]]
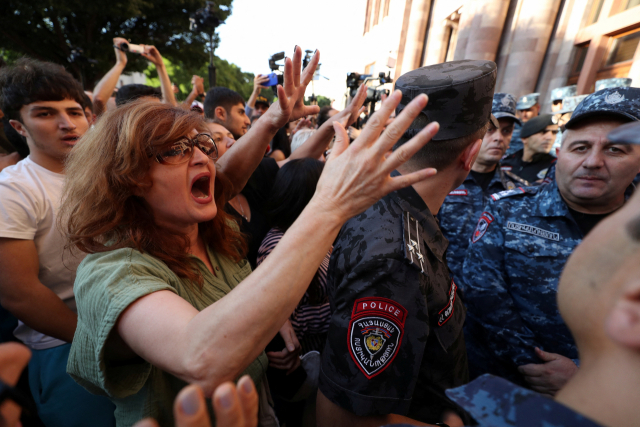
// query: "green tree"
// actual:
[[227, 75], [322, 101], [50, 29]]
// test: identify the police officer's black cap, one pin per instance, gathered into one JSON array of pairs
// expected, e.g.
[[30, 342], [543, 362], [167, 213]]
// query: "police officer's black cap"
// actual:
[[617, 102], [626, 134], [535, 125], [460, 95]]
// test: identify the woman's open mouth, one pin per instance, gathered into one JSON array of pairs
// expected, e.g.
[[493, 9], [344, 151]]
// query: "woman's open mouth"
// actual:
[[201, 188]]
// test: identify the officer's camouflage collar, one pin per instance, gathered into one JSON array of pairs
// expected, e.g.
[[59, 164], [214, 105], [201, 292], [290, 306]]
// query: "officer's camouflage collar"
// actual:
[[551, 202], [411, 202], [494, 401]]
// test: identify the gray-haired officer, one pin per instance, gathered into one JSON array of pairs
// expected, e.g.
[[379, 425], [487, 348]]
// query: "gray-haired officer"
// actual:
[[599, 297], [462, 207], [531, 163], [395, 341], [528, 108], [525, 236]]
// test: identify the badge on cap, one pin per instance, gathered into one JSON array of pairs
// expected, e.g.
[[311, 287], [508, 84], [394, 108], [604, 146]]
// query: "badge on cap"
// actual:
[[375, 333]]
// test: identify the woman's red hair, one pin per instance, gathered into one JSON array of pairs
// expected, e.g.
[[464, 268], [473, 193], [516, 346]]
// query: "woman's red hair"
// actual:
[[109, 166]]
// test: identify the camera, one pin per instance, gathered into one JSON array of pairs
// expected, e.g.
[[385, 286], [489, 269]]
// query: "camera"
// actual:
[[374, 94], [130, 47]]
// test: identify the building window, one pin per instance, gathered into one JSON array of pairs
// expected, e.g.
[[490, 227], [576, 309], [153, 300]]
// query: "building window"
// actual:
[[367, 18], [376, 12], [622, 48], [386, 7], [451, 35], [632, 3], [594, 12], [578, 63]]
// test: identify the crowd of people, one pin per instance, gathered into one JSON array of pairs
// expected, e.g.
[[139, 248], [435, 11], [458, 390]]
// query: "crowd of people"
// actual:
[[457, 257]]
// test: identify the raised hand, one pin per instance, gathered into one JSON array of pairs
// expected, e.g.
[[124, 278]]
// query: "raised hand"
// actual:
[[357, 175], [290, 105], [152, 54], [233, 406], [258, 82], [353, 110], [121, 56]]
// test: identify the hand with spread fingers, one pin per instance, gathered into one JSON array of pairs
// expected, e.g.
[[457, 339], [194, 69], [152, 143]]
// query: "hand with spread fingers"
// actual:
[[233, 406], [353, 110], [290, 105], [357, 175]]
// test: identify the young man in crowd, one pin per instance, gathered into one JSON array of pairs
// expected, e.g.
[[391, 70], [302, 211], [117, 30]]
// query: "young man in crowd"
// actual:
[[226, 107], [45, 105], [528, 108], [395, 341], [462, 207], [530, 164], [525, 237]]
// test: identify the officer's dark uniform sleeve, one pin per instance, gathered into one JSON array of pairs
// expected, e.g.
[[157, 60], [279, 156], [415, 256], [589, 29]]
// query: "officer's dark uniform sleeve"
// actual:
[[378, 330], [487, 295]]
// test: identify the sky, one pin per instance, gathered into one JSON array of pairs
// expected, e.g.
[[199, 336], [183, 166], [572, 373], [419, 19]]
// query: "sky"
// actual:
[[257, 29]]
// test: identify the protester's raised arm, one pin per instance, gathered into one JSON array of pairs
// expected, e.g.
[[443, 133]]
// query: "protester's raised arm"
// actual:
[[103, 90], [244, 157], [198, 350], [197, 89], [152, 54], [319, 141]]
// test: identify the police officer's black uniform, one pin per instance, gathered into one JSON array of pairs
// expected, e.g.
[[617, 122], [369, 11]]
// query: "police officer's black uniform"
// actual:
[[395, 341]]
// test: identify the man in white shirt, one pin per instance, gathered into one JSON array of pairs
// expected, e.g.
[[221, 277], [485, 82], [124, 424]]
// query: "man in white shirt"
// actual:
[[44, 104]]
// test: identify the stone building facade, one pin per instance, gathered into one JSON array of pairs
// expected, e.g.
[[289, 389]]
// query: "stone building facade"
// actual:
[[538, 45]]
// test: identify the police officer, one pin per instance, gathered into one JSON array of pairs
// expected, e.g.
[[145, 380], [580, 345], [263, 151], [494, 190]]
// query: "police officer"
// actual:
[[531, 163], [524, 238], [559, 94], [528, 108], [462, 207], [395, 340]]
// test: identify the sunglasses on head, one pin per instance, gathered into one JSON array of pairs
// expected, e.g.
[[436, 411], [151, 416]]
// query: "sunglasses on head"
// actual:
[[182, 150]]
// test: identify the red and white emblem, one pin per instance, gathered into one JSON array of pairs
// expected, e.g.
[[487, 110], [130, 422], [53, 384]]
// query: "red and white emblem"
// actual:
[[483, 224], [375, 333]]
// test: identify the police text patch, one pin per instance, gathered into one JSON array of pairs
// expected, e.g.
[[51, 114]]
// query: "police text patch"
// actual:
[[459, 193], [375, 333], [483, 224], [445, 314], [525, 228]]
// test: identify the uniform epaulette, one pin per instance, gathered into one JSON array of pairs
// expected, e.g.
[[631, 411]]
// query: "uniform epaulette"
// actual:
[[514, 192]]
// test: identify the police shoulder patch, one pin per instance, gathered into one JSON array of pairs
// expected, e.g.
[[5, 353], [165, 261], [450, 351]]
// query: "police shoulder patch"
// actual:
[[508, 193], [483, 224], [375, 333]]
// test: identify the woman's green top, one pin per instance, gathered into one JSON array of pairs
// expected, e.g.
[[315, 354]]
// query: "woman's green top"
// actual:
[[106, 284]]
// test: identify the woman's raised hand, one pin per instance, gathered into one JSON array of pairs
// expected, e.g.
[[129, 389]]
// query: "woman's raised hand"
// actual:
[[290, 105], [358, 175]]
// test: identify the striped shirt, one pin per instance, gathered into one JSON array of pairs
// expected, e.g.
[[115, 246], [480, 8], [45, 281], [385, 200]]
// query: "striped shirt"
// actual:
[[310, 321]]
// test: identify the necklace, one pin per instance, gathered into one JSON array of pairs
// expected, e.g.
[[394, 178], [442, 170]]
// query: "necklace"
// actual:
[[239, 204]]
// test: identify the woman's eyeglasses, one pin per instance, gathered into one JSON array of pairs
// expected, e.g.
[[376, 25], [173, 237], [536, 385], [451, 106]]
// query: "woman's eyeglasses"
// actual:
[[182, 150]]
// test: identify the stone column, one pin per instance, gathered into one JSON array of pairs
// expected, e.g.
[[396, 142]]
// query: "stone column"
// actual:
[[481, 24], [415, 35], [529, 40]]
